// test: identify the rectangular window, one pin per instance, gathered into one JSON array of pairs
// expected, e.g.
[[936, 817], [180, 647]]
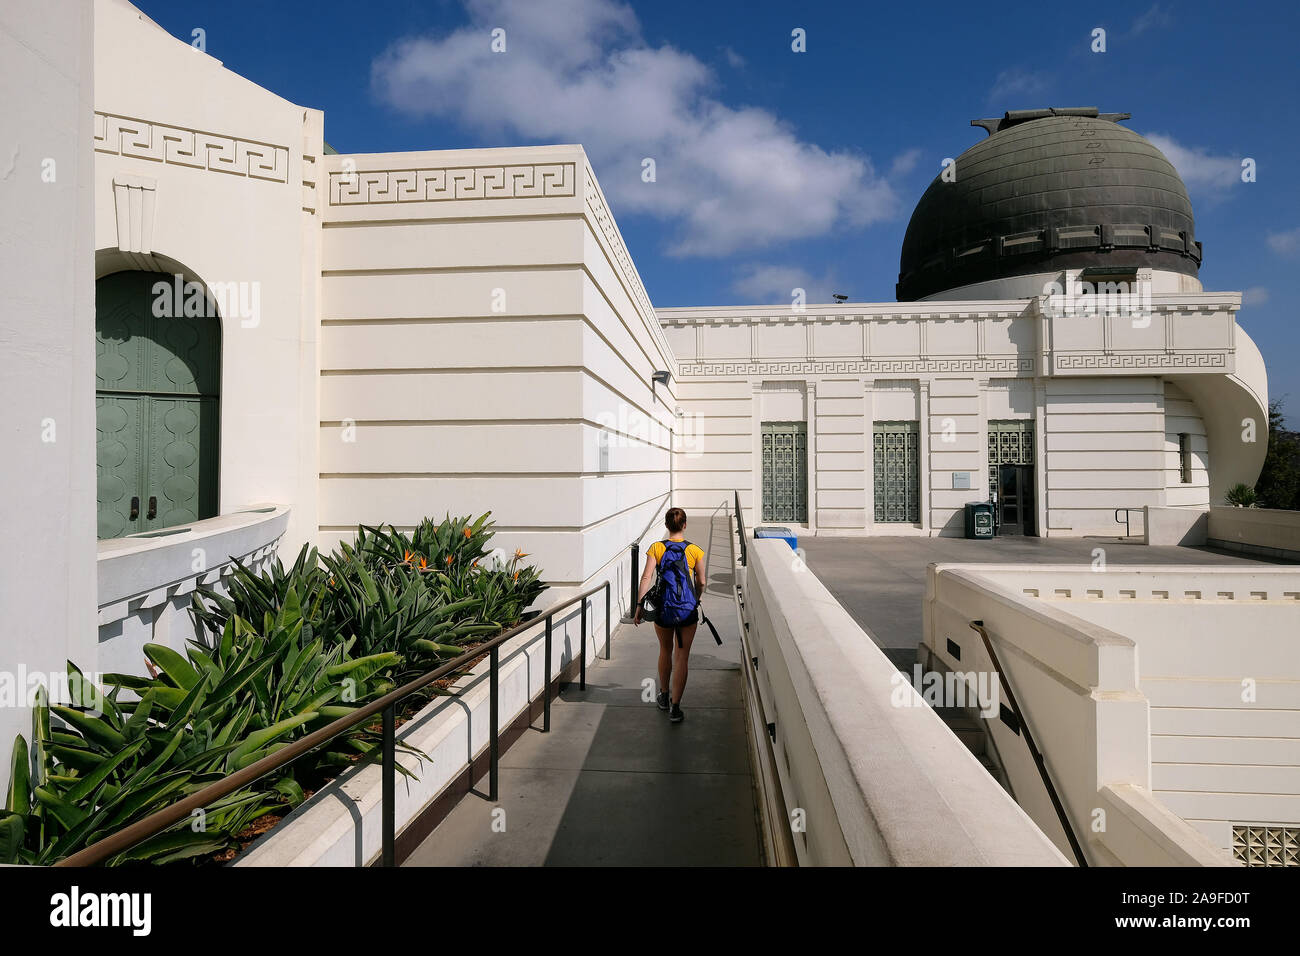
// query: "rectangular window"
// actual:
[[785, 471], [896, 464], [1185, 457]]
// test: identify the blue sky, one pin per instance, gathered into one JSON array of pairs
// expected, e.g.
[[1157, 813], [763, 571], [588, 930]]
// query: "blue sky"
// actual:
[[775, 168]]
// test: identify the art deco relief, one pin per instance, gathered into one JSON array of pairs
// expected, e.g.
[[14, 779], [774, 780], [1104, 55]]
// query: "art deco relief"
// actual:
[[177, 146], [530, 181], [873, 366]]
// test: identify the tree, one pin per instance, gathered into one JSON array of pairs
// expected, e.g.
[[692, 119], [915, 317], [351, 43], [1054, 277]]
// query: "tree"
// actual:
[[1279, 480]]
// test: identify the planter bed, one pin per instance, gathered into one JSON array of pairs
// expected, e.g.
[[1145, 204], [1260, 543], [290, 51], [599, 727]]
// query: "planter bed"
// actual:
[[340, 825]]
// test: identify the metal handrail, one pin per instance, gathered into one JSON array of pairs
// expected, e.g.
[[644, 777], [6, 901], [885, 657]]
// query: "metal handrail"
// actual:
[[160, 820], [978, 627], [1128, 533], [740, 528]]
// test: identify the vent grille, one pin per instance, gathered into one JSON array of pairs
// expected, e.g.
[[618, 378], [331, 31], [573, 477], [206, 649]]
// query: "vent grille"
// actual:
[[1266, 845]]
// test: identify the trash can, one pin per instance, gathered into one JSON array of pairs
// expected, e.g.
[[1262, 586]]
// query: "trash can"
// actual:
[[979, 519], [770, 531]]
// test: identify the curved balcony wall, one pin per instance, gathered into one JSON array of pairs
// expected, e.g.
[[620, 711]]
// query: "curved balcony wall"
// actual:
[[146, 580]]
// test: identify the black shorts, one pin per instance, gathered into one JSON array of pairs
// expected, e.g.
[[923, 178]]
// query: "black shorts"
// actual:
[[693, 619]]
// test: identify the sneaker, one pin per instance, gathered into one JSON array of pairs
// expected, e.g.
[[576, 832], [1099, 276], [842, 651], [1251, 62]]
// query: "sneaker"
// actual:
[[662, 700], [675, 715]]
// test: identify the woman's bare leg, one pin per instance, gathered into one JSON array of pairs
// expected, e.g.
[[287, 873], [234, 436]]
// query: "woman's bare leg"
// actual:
[[665, 657], [679, 659]]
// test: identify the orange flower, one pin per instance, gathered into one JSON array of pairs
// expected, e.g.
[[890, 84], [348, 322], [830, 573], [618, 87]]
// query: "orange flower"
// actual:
[[468, 534], [450, 558], [516, 577], [407, 559], [520, 553], [474, 564], [424, 564]]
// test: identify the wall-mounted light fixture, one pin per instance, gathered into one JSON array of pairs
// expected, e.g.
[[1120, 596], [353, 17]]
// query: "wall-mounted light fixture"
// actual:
[[661, 377]]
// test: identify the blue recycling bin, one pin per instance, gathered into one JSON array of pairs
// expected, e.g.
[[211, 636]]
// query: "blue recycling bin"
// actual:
[[771, 531]]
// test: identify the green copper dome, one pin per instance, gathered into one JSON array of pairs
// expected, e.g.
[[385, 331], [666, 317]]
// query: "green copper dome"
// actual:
[[1049, 190]]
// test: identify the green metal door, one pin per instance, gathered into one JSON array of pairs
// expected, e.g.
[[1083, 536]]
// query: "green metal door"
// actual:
[[896, 468], [156, 399], [785, 471]]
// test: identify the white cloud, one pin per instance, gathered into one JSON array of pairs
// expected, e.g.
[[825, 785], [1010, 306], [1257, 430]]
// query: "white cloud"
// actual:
[[1255, 295], [1285, 243], [734, 59], [904, 163], [1019, 85], [1200, 170], [771, 284], [1156, 16], [729, 177]]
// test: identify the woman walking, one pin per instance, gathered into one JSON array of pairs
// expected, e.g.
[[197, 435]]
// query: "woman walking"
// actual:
[[674, 643]]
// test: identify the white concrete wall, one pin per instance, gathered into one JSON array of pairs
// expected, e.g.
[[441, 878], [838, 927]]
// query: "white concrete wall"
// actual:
[[201, 170], [839, 452], [1225, 715], [1077, 683], [47, 363], [840, 369], [1182, 417], [1104, 392], [1214, 665], [484, 334], [1104, 449], [879, 778], [957, 441], [1265, 531], [1183, 526], [146, 585]]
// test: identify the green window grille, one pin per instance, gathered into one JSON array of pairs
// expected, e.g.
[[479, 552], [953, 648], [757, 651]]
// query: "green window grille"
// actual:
[[896, 461], [785, 471]]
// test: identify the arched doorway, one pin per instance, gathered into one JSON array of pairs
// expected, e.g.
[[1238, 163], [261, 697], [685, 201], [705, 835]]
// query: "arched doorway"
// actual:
[[157, 387]]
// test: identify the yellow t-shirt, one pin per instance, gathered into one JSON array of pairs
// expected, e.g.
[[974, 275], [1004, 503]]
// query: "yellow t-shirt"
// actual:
[[694, 554]]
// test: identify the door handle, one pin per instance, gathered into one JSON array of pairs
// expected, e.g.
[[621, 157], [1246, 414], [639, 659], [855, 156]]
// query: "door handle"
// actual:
[[153, 507], [135, 507]]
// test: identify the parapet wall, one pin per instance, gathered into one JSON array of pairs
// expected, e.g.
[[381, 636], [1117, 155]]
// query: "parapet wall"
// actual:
[[869, 770]]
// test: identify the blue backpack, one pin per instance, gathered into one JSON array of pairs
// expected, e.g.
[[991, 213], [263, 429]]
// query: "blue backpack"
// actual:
[[676, 586], [672, 601]]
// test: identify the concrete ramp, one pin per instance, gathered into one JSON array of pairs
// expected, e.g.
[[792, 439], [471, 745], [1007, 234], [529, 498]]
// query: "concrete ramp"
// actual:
[[614, 783]]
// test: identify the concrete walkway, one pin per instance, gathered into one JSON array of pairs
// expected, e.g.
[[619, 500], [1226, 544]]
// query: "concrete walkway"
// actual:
[[614, 783], [880, 581]]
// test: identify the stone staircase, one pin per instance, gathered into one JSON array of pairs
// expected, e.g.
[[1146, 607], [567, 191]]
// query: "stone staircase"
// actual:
[[970, 731]]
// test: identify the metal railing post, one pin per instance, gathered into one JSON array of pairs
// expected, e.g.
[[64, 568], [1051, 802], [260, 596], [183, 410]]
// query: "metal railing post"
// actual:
[[608, 643], [390, 785], [494, 750], [546, 692], [582, 656], [636, 578]]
